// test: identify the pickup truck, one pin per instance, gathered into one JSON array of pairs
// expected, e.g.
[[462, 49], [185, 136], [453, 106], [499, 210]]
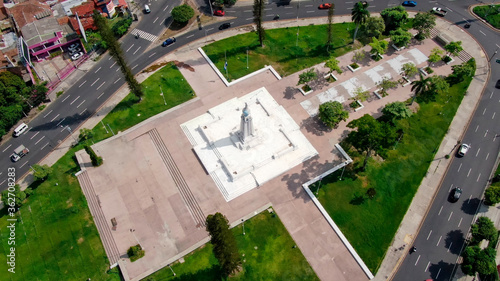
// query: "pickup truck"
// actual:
[[439, 11], [19, 152]]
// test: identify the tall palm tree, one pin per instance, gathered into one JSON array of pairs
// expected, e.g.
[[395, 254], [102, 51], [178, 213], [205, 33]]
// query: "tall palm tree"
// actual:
[[420, 86], [359, 15]]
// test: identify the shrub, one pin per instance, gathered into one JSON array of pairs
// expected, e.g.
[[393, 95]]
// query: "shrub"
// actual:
[[135, 252], [492, 195], [41, 172], [429, 70], [354, 65], [354, 104], [59, 93], [182, 13], [42, 107], [446, 59], [96, 160], [331, 113], [55, 54], [122, 26]]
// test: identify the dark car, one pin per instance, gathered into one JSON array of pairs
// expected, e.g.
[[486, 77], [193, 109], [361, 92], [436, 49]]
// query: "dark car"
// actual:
[[409, 3], [497, 85], [169, 41], [455, 194], [225, 26], [325, 6]]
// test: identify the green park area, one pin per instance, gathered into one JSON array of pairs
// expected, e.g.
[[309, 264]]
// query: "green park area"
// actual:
[[283, 49], [370, 221], [55, 232], [267, 253], [490, 13]]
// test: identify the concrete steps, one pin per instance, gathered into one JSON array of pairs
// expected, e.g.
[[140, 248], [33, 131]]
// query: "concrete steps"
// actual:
[[100, 221], [184, 190]]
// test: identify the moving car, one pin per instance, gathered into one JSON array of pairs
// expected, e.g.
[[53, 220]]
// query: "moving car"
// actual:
[[169, 41], [463, 149], [219, 13], [409, 3], [325, 6], [147, 10], [439, 11], [455, 194], [225, 26], [19, 152], [20, 129], [497, 85], [77, 56]]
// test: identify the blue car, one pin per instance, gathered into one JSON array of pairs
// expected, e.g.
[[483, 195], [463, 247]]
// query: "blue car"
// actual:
[[410, 3], [169, 41]]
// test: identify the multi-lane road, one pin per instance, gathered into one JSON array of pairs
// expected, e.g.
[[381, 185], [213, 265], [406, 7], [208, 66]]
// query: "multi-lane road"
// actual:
[[442, 235]]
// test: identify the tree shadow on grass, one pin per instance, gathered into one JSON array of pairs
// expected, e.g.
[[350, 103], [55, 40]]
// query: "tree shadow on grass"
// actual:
[[213, 273], [314, 125], [453, 241], [357, 200]]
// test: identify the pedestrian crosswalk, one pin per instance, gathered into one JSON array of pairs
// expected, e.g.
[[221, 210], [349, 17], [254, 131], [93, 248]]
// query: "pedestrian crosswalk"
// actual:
[[144, 35]]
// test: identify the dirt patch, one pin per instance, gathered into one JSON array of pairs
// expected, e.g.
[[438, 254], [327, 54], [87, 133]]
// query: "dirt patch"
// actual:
[[414, 107], [80, 240], [70, 204], [154, 67], [180, 64]]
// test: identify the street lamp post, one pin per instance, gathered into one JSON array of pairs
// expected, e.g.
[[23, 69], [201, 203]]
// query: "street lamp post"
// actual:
[[496, 51], [171, 269], [243, 221], [70, 132], [164, 101]]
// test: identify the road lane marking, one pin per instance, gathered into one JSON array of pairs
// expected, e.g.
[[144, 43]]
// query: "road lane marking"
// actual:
[[484, 111], [487, 156], [112, 65], [47, 114], [129, 48], [34, 135], [100, 95], [210, 29], [23, 164], [310, 11], [54, 118], [249, 19], [479, 149], [470, 169], [451, 243], [101, 85], [74, 100], [427, 267], [440, 210], [429, 234], [39, 140], [2, 182], [485, 133], [80, 104], [417, 260], [460, 222], [451, 186], [155, 19], [7, 148], [476, 128], [285, 8], [97, 70], [450, 216], [493, 117], [190, 36], [165, 8], [81, 113], [135, 66], [491, 92], [116, 81], [64, 99], [439, 271], [470, 197], [82, 84], [62, 130], [95, 82], [117, 69], [478, 177], [137, 50], [439, 240], [44, 146], [267, 9], [154, 53], [459, 167], [482, 32], [59, 123]]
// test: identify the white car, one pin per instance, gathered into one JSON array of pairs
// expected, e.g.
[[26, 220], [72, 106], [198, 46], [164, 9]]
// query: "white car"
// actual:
[[77, 56], [463, 149]]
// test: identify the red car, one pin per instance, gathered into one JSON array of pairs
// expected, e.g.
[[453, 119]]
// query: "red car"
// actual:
[[219, 13], [325, 6]]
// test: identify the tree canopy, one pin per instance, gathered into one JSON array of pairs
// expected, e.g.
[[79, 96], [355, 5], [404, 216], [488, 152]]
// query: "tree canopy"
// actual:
[[41, 172], [373, 27], [396, 110], [423, 23], [379, 47], [484, 229], [307, 76], [478, 261], [436, 55], [409, 69], [359, 14], [400, 37], [453, 48], [182, 13], [394, 17], [463, 70], [225, 248], [331, 113], [492, 195], [333, 64]]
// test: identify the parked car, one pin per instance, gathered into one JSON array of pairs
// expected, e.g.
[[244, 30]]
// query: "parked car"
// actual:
[[439, 11], [225, 26], [409, 3], [77, 56], [497, 85], [324, 6], [74, 46], [147, 10], [455, 194], [219, 13], [463, 149], [74, 51], [169, 41]]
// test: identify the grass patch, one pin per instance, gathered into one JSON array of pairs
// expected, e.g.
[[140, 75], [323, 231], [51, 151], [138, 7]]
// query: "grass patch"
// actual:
[[370, 224], [57, 236], [489, 13], [268, 254], [281, 49]]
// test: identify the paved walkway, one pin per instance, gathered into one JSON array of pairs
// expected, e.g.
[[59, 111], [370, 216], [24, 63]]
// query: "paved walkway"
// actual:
[[313, 235]]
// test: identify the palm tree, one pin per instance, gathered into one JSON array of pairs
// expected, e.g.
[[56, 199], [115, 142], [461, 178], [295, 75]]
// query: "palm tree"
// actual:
[[420, 86], [359, 15]]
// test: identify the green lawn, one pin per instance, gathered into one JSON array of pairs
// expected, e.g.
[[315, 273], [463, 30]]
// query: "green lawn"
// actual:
[[370, 224], [56, 238], [490, 13], [268, 255], [281, 49]]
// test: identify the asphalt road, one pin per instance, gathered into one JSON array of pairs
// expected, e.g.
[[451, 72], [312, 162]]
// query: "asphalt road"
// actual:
[[442, 236]]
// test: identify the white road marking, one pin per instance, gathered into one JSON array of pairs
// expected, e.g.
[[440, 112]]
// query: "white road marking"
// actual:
[[417, 260], [451, 186], [308, 5], [479, 149], [137, 50], [310, 11], [116, 81], [485, 133], [95, 82], [129, 48], [210, 29], [117, 69], [59, 123], [440, 210], [469, 172], [97, 70], [74, 100], [427, 267], [460, 222], [448, 8], [155, 20], [497, 46], [154, 53], [459, 167], [487, 155], [165, 8], [493, 117], [135, 66], [101, 85], [83, 111], [23, 164], [250, 11], [34, 135], [100, 95], [267, 9], [112, 65], [476, 128], [2, 182], [491, 92], [44, 146], [80, 104], [54, 118], [470, 197], [484, 111], [439, 271], [478, 177], [39, 140], [482, 32], [285, 8], [47, 114], [450, 216], [7, 148], [190, 36], [439, 240], [82, 84], [429, 234], [451, 243]]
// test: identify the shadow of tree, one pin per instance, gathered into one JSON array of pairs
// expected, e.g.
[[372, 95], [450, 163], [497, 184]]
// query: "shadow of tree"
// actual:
[[314, 125], [453, 240], [470, 206], [290, 92], [441, 271], [357, 200]]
